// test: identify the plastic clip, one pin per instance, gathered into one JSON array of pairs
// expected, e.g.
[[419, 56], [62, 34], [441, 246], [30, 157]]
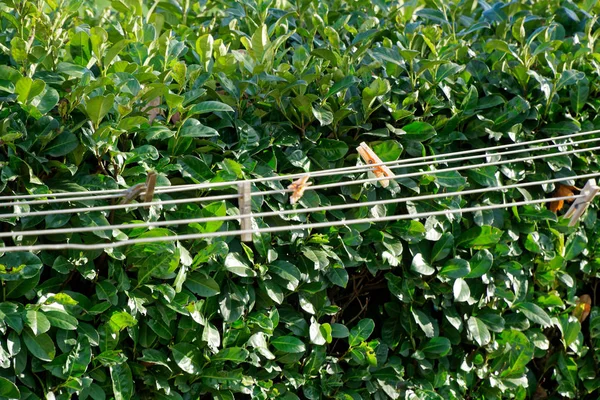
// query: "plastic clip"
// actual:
[[589, 191], [369, 156], [245, 206]]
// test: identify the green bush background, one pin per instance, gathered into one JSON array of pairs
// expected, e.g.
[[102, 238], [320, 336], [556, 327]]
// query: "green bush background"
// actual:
[[478, 306]]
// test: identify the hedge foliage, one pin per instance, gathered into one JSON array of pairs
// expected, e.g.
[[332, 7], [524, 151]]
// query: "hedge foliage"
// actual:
[[466, 306]]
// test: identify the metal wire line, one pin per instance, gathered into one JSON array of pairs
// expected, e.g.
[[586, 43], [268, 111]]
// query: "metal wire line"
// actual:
[[344, 206], [167, 189], [263, 193], [356, 169], [118, 206], [195, 236], [391, 164]]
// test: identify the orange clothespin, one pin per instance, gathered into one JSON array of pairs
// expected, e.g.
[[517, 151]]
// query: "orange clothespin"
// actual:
[[589, 191], [299, 186], [370, 157], [150, 185], [245, 206]]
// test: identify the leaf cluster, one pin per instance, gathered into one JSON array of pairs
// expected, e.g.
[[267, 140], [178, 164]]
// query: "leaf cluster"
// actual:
[[95, 94]]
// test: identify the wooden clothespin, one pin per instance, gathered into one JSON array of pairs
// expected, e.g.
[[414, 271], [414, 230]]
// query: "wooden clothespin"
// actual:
[[589, 191], [370, 157], [245, 206], [133, 192], [299, 186], [150, 185]]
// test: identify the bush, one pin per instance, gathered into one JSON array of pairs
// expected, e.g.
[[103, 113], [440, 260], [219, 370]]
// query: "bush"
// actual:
[[486, 305]]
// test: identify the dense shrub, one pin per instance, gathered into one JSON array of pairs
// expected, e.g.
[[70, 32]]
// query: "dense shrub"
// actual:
[[483, 306]]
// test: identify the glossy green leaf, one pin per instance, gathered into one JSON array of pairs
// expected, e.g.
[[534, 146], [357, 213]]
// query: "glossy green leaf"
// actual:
[[361, 332], [8, 389], [122, 381], [202, 285], [98, 107], [534, 313], [206, 107], [418, 131], [37, 321], [479, 331], [288, 344], [187, 357], [41, 346]]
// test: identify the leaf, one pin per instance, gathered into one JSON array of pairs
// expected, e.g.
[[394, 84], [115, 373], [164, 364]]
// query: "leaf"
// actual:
[[204, 47], [287, 271], [330, 150], [388, 150], [16, 289], [61, 319], [338, 275], [27, 88], [37, 322], [418, 131], [461, 290], [193, 128], [114, 51], [437, 347], [343, 84], [424, 323], [479, 237], [534, 313], [234, 354], [187, 357], [288, 344], [579, 95], [455, 268], [339, 331], [202, 285], [212, 210], [421, 266], [582, 307], [153, 356], [121, 320], [122, 381], [40, 346], [576, 244], [16, 266], [443, 247], [324, 116], [569, 77], [485, 176], [195, 169], [480, 264], [207, 107], [450, 179], [478, 331], [8, 389], [97, 107], [361, 332], [561, 128], [18, 49], [235, 264], [62, 145]]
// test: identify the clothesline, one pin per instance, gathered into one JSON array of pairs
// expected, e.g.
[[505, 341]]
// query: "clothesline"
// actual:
[[328, 172], [344, 206], [128, 242], [270, 192]]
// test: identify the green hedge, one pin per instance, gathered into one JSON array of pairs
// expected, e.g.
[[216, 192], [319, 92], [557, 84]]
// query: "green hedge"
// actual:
[[467, 306]]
